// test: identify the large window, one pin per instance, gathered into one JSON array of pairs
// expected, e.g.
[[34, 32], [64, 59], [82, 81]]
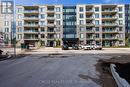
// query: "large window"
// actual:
[[58, 9], [96, 9], [96, 15], [81, 16], [81, 35], [6, 23], [42, 23], [120, 22], [42, 9], [58, 16], [81, 9], [120, 8], [19, 23], [6, 29], [96, 22], [19, 30], [120, 15], [19, 16], [42, 16], [19, 10], [81, 22]]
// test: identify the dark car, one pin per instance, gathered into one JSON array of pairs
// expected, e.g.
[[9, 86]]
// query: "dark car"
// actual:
[[65, 47]]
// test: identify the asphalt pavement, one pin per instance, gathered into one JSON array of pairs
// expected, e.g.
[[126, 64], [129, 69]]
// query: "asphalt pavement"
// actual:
[[54, 70]]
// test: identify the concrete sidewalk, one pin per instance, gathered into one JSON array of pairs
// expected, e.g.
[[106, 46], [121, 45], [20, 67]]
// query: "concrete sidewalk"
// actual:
[[49, 50]]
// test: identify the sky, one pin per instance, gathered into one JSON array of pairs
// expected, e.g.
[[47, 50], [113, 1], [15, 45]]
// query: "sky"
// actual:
[[70, 2]]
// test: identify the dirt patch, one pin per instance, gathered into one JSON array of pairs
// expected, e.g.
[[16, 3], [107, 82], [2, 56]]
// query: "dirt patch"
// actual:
[[124, 71], [103, 67]]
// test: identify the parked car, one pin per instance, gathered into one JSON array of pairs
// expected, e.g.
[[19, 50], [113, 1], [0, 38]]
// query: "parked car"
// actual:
[[65, 47], [98, 47], [81, 46], [87, 47], [75, 47]]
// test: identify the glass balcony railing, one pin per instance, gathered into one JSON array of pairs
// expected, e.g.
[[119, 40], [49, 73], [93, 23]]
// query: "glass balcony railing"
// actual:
[[31, 31], [31, 37], [30, 24], [30, 11], [110, 37], [30, 17], [109, 10]]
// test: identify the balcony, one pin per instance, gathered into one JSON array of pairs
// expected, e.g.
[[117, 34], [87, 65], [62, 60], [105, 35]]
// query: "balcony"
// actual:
[[31, 25], [31, 31], [50, 17], [31, 18], [89, 38], [50, 9], [90, 31], [110, 38], [109, 18], [30, 37], [109, 24], [31, 11], [89, 17], [110, 31], [89, 24]]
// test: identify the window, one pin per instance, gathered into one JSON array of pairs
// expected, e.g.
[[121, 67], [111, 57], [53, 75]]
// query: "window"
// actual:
[[120, 28], [96, 9], [97, 28], [19, 23], [97, 35], [120, 8], [19, 36], [42, 16], [81, 36], [58, 16], [81, 16], [42, 9], [6, 7], [120, 22], [81, 9], [58, 9], [19, 10], [42, 23], [6, 29], [97, 22], [6, 23], [81, 29], [120, 16], [42, 29], [57, 22], [19, 16], [42, 35], [81, 22], [19, 30], [96, 15]]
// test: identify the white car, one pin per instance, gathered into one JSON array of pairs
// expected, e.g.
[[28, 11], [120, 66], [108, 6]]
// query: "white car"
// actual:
[[87, 47], [98, 47]]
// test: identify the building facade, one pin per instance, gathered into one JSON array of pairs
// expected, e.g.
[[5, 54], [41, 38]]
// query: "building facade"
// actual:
[[51, 25], [127, 23], [6, 22], [101, 24], [40, 25]]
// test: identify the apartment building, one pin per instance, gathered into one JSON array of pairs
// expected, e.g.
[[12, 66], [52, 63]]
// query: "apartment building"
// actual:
[[6, 22], [127, 22], [51, 25], [40, 25], [101, 24]]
